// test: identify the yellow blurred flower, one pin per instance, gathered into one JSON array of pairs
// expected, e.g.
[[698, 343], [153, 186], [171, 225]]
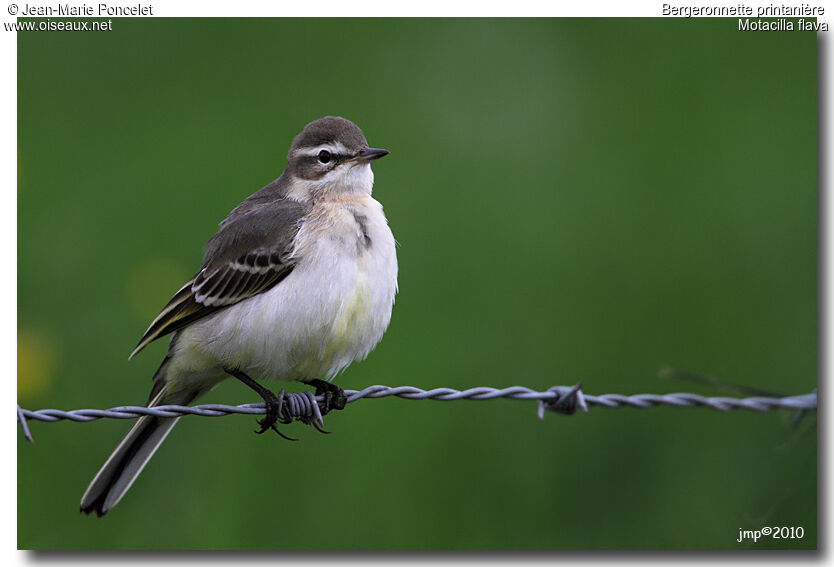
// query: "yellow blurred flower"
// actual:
[[36, 362]]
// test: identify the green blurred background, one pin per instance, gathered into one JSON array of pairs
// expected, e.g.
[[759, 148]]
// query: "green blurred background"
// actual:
[[574, 200]]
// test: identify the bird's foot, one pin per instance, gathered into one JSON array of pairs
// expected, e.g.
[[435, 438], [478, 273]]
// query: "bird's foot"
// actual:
[[334, 397], [280, 407], [276, 405], [276, 411]]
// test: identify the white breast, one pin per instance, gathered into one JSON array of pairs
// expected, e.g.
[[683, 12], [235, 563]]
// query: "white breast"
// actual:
[[332, 309]]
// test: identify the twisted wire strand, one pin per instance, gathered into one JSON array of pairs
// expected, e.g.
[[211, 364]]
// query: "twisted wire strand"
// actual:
[[561, 399]]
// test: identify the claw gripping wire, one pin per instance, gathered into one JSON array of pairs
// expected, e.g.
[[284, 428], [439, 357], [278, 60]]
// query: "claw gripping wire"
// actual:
[[302, 406]]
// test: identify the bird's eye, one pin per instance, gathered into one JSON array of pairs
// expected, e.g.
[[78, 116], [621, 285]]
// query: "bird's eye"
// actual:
[[324, 156]]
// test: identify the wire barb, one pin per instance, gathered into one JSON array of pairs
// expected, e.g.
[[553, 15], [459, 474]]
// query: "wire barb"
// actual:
[[565, 400], [24, 425]]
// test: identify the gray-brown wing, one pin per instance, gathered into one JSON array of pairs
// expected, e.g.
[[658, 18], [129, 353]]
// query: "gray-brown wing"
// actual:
[[247, 256]]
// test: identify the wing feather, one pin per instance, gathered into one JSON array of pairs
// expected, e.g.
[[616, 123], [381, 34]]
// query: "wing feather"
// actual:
[[237, 266]]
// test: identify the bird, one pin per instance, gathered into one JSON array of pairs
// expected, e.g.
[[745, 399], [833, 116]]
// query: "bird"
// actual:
[[298, 282]]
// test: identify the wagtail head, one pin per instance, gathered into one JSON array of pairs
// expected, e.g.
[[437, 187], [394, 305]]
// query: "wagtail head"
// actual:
[[330, 158]]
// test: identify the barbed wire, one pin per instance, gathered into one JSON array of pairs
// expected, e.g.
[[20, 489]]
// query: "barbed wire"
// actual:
[[560, 399]]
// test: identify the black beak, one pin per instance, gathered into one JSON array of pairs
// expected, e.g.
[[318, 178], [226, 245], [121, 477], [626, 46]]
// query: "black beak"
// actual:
[[370, 154]]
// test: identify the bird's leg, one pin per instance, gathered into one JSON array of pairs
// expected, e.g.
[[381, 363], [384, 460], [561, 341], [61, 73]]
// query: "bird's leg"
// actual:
[[334, 396], [274, 404]]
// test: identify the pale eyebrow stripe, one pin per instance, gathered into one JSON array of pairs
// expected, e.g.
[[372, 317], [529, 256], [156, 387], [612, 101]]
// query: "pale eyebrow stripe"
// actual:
[[334, 148]]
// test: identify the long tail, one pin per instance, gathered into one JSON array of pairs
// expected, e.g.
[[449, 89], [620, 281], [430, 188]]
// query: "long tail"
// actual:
[[131, 456]]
